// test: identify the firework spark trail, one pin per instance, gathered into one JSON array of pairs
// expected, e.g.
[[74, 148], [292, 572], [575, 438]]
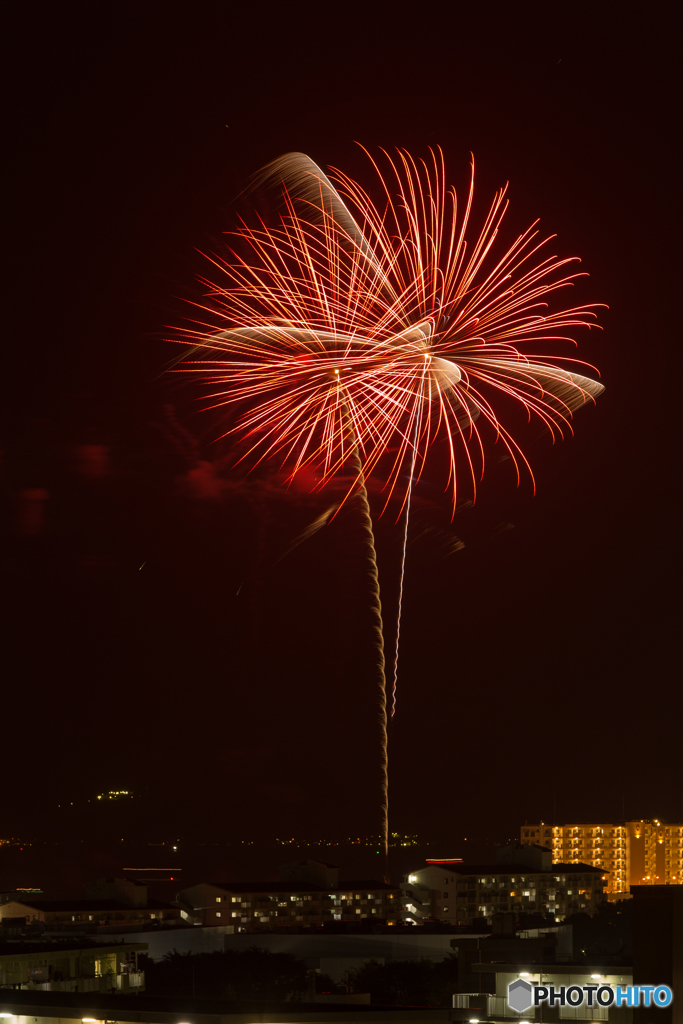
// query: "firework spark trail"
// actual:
[[317, 524], [377, 632], [370, 294], [409, 495]]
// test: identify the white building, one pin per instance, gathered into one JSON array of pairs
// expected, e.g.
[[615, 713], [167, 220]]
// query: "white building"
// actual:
[[523, 880]]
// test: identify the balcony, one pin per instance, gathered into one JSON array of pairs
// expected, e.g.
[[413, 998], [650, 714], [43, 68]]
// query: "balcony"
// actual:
[[134, 981]]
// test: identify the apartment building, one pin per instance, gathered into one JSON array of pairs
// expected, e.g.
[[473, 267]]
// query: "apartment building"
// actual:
[[81, 967], [112, 904], [86, 915], [642, 852], [309, 894], [460, 894]]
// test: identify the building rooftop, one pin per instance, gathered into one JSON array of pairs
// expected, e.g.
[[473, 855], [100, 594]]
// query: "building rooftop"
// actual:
[[19, 950], [168, 1009], [294, 886], [91, 905], [511, 868]]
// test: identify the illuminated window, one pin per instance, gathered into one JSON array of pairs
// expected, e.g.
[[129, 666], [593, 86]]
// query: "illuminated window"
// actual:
[[218, 913], [218, 899]]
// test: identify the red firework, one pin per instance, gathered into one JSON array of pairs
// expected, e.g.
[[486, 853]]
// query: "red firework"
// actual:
[[382, 326], [363, 330]]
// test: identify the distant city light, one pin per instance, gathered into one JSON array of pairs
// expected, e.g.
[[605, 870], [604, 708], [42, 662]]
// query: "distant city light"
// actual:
[[152, 869]]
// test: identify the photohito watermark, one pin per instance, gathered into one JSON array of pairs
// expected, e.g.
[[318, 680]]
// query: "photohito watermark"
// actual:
[[522, 995]]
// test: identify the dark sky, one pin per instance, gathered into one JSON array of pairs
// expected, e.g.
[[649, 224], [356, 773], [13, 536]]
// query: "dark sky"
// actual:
[[541, 663]]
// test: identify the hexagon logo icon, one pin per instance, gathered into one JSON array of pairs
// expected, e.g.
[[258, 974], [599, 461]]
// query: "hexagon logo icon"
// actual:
[[519, 995]]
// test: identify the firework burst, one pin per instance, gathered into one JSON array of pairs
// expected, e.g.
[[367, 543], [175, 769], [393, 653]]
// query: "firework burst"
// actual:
[[358, 331], [388, 313]]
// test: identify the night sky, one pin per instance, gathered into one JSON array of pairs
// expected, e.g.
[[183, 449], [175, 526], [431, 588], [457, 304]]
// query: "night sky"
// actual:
[[158, 640]]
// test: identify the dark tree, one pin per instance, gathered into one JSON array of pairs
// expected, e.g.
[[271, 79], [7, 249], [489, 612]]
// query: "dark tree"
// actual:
[[408, 982], [248, 974]]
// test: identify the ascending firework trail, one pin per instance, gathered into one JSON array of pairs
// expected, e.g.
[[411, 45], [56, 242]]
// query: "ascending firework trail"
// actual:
[[424, 324], [361, 500], [402, 576]]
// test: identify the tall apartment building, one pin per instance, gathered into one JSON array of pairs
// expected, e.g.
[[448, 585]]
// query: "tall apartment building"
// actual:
[[631, 852]]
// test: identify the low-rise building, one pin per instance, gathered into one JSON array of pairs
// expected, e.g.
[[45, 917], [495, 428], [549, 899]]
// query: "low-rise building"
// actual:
[[489, 998], [114, 904], [87, 915], [521, 881], [59, 967], [315, 898]]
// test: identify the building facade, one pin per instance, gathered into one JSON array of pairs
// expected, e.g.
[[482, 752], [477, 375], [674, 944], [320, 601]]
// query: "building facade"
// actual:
[[309, 895], [114, 904], [86, 915], [631, 852], [463, 894], [55, 968], [489, 998], [658, 946], [263, 906]]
